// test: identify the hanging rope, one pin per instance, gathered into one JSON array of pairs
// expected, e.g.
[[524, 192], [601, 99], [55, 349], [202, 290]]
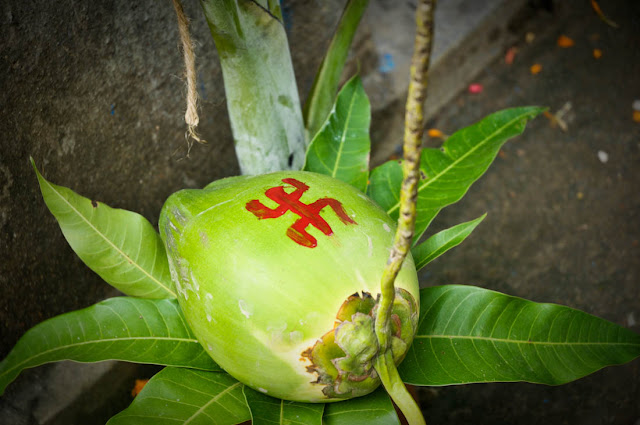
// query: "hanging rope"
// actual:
[[191, 116]]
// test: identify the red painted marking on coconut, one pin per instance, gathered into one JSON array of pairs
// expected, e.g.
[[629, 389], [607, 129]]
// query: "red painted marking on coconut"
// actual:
[[309, 213]]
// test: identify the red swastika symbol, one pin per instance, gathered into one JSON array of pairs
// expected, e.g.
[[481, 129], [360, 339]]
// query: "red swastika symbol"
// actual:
[[309, 214]]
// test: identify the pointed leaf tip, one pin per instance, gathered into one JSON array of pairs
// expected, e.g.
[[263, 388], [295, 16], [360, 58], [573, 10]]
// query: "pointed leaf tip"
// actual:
[[468, 334], [121, 246], [448, 173], [442, 242], [122, 328]]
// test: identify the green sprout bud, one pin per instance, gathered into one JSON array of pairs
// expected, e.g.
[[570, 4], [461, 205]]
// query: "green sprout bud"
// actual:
[[279, 277]]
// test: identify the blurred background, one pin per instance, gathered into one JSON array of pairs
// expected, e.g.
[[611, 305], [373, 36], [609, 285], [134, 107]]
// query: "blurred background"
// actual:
[[94, 92]]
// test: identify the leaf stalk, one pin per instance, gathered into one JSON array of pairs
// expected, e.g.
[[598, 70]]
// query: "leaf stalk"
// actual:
[[392, 382]]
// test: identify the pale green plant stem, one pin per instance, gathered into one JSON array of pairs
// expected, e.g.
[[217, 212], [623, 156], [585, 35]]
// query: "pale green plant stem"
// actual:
[[392, 382], [414, 129]]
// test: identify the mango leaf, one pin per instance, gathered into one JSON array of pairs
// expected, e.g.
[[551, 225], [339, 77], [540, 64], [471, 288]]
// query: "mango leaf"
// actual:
[[120, 246], [468, 334], [260, 86], [185, 396], [122, 328], [373, 409], [442, 242], [449, 172], [341, 147], [325, 84], [384, 184], [268, 410]]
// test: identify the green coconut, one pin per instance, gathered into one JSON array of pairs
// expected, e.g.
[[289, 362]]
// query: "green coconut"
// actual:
[[279, 276]]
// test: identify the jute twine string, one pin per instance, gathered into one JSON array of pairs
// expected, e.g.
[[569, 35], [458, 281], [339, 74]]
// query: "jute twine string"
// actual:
[[191, 116]]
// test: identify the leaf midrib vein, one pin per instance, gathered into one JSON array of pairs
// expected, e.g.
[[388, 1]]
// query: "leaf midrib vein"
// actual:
[[517, 341], [213, 400], [344, 135], [131, 261], [460, 159], [97, 341]]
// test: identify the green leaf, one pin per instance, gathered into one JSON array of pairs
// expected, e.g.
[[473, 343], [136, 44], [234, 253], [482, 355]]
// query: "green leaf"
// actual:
[[123, 328], [468, 334], [341, 147], [384, 184], [120, 246], [442, 242], [449, 172], [325, 84], [268, 410], [373, 409], [273, 6], [260, 85], [184, 396]]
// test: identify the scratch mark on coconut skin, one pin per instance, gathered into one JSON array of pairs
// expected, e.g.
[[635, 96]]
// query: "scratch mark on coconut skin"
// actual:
[[222, 203], [244, 308], [360, 278]]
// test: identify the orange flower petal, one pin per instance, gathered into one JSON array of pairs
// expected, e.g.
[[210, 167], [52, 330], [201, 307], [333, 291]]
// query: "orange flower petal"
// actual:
[[535, 68], [597, 53], [435, 133], [140, 383], [564, 41], [636, 116]]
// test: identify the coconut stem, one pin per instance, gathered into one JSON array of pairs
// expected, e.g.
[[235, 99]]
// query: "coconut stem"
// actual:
[[414, 129], [386, 368]]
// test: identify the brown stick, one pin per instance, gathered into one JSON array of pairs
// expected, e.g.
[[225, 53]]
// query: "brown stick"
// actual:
[[414, 130]]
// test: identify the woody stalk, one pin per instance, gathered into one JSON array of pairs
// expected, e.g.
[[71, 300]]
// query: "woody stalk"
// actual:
[[414, 130]]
